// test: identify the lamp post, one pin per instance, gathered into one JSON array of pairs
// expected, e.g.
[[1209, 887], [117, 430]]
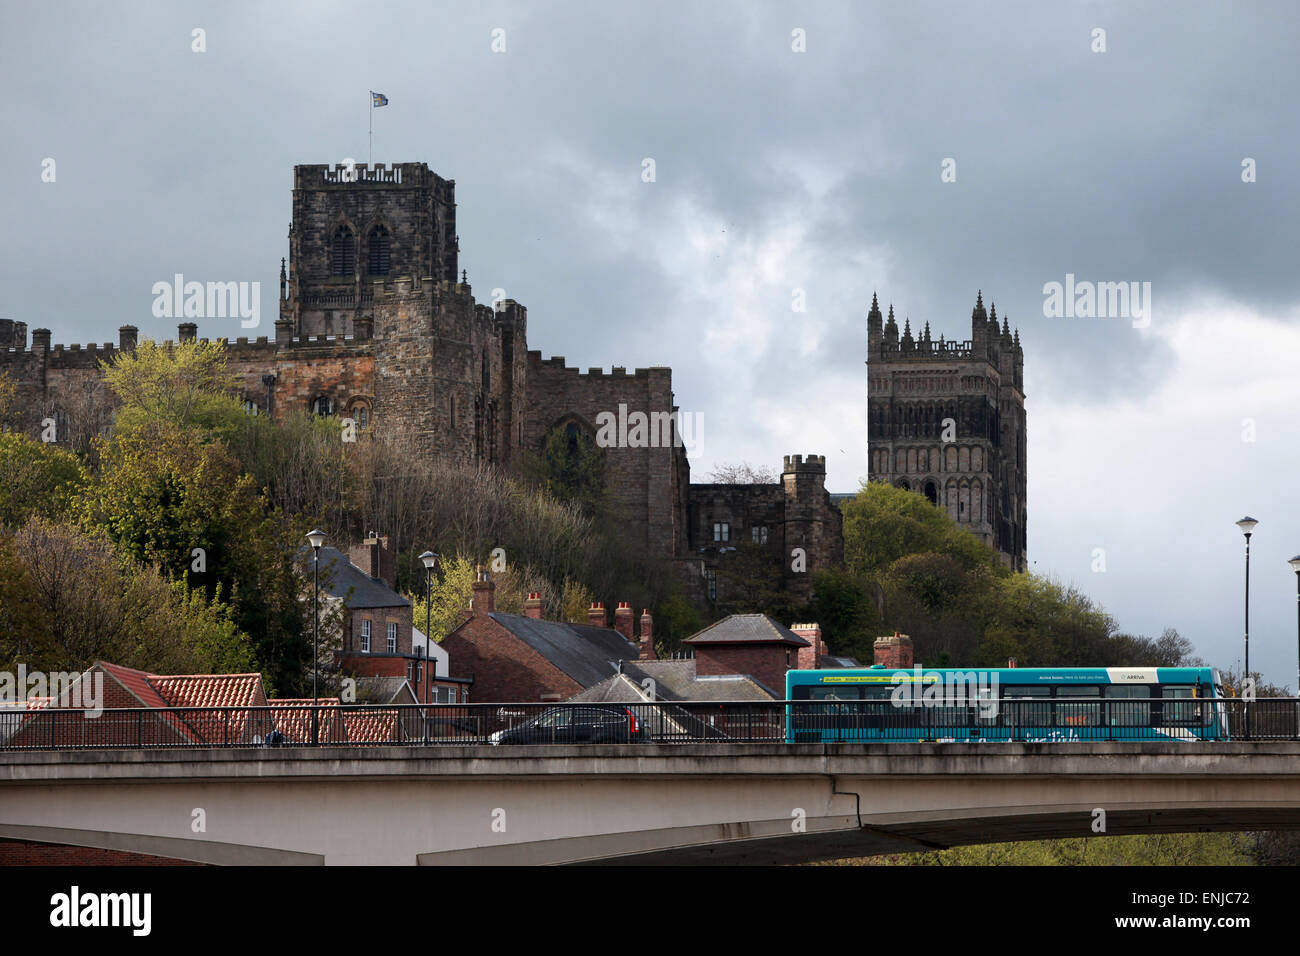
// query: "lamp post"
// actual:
[[1295, 566], [429, 559], [316, 537], [1247, 525]]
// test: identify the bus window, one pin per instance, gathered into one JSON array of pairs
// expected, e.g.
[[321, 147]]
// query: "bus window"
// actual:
[[1186, 711], [1128, 709], [830, 696], [1022, 714], [1078, 706]]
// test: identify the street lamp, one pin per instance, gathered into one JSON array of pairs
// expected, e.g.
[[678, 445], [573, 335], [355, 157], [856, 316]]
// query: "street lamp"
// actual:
[[1295, 566], [1247, 525], [316, 537], [429, 559]]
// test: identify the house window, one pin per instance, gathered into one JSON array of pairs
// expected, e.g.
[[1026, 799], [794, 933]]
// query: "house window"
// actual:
[[363, 417], [759, 534], [323, 405], [365, 637], [250, 408], [712, 578], [721, 531], [392, 638]]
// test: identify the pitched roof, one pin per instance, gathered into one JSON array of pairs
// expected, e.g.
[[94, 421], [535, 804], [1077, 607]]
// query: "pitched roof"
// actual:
[[136, 683], [674, 680], [348, 581], [209, 690], [385, 690], [587, 654], [747, 629]]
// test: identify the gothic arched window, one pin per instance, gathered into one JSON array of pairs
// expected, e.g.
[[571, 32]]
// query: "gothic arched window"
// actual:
[[343, 252], [377, 246], [322, 405]]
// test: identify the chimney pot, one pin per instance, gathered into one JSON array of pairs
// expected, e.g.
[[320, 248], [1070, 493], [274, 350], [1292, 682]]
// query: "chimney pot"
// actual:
[[894, 652], [623, 620], [647, 636], [484, 601], [533, 606]]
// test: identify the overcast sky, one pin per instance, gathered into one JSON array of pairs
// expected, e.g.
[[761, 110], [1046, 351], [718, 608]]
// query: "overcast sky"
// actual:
[[775, 171]]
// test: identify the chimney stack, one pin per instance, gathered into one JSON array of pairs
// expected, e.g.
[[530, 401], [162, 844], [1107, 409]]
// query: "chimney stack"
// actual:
[[596, 614], [484, 594], [188, 331], [533, 606], [623, 620], [809, 657], [647, 636], [126, 337], [894, 652]]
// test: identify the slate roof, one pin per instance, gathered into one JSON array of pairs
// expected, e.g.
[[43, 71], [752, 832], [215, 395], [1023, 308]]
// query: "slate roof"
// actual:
[[587, 654], [673, 681], [747, 629], [366, 591]]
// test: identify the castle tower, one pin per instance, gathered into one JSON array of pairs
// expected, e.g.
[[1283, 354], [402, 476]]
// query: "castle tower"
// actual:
[[946, 419], [354, 226], [812, 522]]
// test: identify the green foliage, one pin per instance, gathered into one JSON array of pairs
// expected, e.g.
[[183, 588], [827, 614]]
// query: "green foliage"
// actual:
[[1156, 849], [451, 592], [75, 601], [930, 578], [186, 384], [844, 606], [36, 478], [883, 523]]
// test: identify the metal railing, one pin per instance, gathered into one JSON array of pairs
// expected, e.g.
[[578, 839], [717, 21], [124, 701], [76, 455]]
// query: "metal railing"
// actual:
[[801, 721]]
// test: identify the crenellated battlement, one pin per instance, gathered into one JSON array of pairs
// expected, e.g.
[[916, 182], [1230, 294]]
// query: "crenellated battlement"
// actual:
[[617, 372], [807, 464], [410, 175]]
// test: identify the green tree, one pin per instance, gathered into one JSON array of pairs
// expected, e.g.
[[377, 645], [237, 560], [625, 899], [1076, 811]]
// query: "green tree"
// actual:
[[36, 478], [188, 383]]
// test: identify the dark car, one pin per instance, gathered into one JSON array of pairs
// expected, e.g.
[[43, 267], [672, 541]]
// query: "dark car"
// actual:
[[577, 724]]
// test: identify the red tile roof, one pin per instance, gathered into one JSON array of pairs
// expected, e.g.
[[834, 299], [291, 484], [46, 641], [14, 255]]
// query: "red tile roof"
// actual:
[[209, 690]]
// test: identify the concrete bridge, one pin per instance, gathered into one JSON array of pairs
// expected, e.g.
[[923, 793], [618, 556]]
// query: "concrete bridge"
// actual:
[[750, 803]]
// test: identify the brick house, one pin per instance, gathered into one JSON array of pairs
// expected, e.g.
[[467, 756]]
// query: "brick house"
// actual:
[[524, 658], [379, 639], [751, 644]]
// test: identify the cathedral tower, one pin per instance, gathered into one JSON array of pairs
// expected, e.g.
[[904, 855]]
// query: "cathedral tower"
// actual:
[[946, 419]]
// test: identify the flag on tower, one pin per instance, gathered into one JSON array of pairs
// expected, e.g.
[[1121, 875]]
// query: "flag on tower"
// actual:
[[378, 99]]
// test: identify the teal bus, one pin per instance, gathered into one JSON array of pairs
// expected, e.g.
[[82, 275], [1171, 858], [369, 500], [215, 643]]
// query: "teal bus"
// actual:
[[1034, 704]]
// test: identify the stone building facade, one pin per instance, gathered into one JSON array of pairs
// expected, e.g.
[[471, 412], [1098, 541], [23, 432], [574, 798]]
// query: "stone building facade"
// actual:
[[947, 419], [775, 535], [374, 324]]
